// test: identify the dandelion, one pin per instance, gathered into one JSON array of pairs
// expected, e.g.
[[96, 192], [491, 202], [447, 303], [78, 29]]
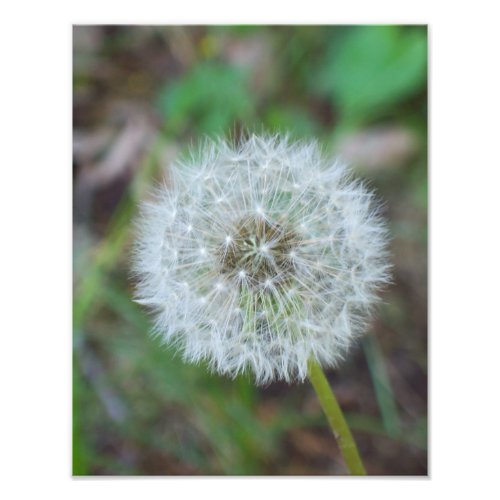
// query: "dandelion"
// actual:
[[261, 257]]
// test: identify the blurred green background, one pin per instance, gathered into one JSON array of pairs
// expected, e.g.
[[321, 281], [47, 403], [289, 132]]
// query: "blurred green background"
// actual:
[[142, 95]]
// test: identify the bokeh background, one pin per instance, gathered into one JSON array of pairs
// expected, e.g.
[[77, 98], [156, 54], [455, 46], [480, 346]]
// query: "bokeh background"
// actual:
[[142, 95]]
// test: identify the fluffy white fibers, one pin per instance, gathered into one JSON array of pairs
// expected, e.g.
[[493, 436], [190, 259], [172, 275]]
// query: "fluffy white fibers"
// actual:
[[259, 256]]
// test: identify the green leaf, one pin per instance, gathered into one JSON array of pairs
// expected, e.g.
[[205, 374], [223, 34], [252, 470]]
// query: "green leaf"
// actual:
[[210, 98], [373, 68]]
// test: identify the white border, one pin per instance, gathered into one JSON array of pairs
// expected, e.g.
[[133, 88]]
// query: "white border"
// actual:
[[36, 250]]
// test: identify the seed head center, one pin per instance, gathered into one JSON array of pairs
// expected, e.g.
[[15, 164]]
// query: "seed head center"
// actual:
[[259, 252]]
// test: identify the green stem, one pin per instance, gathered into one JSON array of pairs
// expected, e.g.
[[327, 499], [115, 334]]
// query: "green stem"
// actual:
[[336, 419]]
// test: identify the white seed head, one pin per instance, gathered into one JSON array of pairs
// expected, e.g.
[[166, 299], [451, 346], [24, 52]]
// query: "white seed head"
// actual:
[[260, 256]]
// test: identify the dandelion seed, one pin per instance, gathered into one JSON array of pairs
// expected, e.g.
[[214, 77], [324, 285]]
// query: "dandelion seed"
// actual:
[[293, 281]]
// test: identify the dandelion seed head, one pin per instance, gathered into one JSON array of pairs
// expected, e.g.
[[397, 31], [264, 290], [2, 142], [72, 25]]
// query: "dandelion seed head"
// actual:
[[259, 256]]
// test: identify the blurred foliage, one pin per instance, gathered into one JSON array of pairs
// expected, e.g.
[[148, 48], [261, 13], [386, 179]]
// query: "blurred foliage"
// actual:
[[286, 119], [137, 407], [374, 68], [208, 99]]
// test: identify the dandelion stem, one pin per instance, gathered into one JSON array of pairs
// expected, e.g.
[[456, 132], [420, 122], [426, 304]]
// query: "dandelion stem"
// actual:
[[336, 419]]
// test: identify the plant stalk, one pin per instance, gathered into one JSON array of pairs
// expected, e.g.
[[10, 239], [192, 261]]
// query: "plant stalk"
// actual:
[[336, 419]]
